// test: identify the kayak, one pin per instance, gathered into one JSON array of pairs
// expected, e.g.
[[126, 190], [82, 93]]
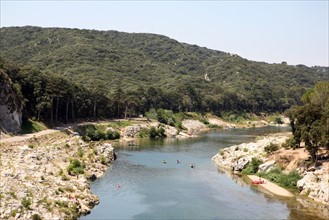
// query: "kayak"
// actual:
[[257, 181]]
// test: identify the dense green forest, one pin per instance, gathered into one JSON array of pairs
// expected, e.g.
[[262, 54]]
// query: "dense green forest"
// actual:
[[66, 74]]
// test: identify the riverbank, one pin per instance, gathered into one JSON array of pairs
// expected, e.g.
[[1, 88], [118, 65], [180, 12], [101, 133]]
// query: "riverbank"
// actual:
[[37, 181], [39, 177], [314, 181], [47, 174], [269, 186]]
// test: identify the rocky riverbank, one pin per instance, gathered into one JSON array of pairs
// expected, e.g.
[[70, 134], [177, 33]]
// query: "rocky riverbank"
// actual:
[[48, 175], [315, 179], [36, 180]]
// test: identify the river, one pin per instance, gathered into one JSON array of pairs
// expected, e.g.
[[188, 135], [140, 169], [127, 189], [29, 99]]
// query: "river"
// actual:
[[140, 186]]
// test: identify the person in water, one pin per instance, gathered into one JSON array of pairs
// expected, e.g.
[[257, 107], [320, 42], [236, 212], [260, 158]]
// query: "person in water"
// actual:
[[164, 161], [177, 161], [192, 165]]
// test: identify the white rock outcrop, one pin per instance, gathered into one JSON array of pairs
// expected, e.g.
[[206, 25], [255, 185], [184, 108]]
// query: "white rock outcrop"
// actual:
[[193, 126], [315, 184], [238, 156]]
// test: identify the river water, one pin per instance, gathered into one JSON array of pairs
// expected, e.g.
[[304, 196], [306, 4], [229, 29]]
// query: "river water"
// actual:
[[140, 186]]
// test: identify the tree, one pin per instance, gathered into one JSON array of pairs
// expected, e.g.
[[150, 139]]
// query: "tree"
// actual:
[[310, 122]]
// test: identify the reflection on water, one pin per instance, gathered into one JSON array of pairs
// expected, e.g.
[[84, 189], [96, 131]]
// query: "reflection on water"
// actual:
[[151, 189]]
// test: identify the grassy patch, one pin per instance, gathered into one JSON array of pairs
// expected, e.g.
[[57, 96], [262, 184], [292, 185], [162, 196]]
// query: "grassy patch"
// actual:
[[30, 126], [285, 180], [26, 202], [120, 124]]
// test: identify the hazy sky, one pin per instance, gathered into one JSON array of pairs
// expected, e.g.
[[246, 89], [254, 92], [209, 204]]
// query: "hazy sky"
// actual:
[[270, 31]]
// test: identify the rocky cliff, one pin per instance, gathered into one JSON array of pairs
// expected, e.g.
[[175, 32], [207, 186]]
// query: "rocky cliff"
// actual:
[[10, 106]]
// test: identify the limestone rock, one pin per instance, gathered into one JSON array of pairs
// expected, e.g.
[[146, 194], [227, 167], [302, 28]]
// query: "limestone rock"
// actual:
[[242, 163], [193, 126], [131, 131], [10, 106], [267, 166], [315, 185]]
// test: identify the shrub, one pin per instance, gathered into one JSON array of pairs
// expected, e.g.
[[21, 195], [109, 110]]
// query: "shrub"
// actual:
[[213, 126], [65, 178], [271, 148], [94, 134], [26, 202], [165, 116], [252, 167], [80, 152], [75, 167], [290, 143], [285, 180], [36, 217], [112, 135], [152, 114], [152, 132], [278, 120]]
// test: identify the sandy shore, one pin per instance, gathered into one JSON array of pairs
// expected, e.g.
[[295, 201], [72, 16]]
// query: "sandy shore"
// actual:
[[271, 187]]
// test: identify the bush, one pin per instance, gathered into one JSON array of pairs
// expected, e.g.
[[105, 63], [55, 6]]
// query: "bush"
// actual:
[[65, 178], [271, 148], [36, 217], [151, 114], [278, 120], [285, 180], [80, 152], [213, 126], [152, 132], [94, 134], [26, 202], [75, 167], [112, 135], [290, 143], [252, 167], [165, 116]]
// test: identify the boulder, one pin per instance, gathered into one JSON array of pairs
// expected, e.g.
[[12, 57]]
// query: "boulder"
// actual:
[[131, 131], [267, 166], [242, 163]]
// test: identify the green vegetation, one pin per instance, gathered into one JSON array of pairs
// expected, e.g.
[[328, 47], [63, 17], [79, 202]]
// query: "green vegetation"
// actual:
[[278, 120], [309, 122], [276, 175], [93, 133], [252, 167], [26, 202], [36, 217], [67, 74], [31, 126], [271, 148], [75, 167], [290, 143], [152, 132]]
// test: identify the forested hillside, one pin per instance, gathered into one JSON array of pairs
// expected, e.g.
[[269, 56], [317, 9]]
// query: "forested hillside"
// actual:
[[136, 72]]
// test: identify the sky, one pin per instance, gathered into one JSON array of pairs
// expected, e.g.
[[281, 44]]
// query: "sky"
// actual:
[[271, 31]]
